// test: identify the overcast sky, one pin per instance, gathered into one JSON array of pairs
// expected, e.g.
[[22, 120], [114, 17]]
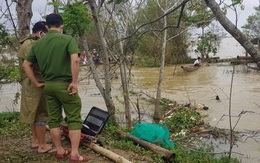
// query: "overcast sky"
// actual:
[[40, 8], [243, 14]]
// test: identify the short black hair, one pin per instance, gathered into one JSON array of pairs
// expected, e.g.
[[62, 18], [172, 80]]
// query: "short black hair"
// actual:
[[39, 26], [54, 20]]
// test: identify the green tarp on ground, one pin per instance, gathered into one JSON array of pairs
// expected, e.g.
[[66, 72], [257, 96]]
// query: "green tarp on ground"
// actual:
[[154, 133]]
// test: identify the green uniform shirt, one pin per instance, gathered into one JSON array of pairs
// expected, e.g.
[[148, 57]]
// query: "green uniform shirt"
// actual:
[[52, 53]]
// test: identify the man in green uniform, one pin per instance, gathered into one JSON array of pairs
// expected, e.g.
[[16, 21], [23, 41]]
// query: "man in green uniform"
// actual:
[[57, 57], [33, 100]]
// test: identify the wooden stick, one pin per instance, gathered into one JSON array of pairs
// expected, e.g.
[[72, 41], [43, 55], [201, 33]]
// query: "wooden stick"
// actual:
[[149, 146], [107, 153]]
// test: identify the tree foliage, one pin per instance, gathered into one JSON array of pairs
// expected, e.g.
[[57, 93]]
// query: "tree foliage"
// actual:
[[7, 42], [4, 39], [76, 17], [206, 44], [199, 14], [252, 28], [149, 44]]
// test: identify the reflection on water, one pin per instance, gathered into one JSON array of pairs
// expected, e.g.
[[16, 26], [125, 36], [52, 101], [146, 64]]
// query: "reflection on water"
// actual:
[[197, 87]]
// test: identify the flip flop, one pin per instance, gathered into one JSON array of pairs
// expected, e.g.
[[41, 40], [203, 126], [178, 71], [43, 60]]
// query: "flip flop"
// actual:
[[49, 151], [34, 147]]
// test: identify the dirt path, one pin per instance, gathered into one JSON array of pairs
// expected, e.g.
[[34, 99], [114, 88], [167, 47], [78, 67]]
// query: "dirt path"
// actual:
[[18, 151]]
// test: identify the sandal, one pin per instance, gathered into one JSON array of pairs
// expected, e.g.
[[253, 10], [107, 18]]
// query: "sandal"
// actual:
[[66, 153], [48, 151], [74, 159]]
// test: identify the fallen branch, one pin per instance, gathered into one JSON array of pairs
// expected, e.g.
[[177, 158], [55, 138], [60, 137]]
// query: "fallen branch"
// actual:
[[168, 155]]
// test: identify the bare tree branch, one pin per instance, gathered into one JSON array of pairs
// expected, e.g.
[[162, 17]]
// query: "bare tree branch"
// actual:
[[11, 18], [155, 20]]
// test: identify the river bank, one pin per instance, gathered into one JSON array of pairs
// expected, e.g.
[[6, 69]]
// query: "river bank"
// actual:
[[199, 87]]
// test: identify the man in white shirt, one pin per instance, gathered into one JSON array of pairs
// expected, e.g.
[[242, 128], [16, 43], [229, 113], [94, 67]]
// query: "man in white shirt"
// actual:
[[197, 62]]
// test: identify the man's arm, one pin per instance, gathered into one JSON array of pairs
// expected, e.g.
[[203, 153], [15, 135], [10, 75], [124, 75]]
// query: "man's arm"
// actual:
[[27, 66], [73, 87]]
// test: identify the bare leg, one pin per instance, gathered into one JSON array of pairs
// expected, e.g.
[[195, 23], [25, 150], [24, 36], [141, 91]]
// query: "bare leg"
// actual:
[[74, 139], [56, 137], [35, 142], [40, 131]]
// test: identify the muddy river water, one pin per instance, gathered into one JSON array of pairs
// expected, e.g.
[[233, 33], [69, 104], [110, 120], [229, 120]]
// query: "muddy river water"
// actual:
[[197, 87]]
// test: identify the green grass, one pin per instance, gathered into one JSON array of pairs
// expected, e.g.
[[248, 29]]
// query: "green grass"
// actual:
[[11, 126]]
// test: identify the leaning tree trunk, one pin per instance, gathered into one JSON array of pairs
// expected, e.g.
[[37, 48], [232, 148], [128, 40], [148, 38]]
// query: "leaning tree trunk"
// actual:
[[234, 31], [93, 69], [157, 110], [24, 15], [107, 91]]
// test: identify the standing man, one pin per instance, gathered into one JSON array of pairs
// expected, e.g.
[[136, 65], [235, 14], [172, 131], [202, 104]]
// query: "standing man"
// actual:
[[57, 57], [84, 56], [33, 100]]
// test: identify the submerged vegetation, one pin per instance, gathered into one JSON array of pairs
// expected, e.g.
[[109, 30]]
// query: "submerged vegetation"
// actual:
[[183, 119]]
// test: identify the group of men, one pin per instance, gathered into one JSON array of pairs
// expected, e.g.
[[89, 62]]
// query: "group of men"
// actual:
[[49, 67]]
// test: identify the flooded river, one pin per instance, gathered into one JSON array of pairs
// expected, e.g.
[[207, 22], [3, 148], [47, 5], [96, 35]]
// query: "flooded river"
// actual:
[[203, 85], [197, 87]]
